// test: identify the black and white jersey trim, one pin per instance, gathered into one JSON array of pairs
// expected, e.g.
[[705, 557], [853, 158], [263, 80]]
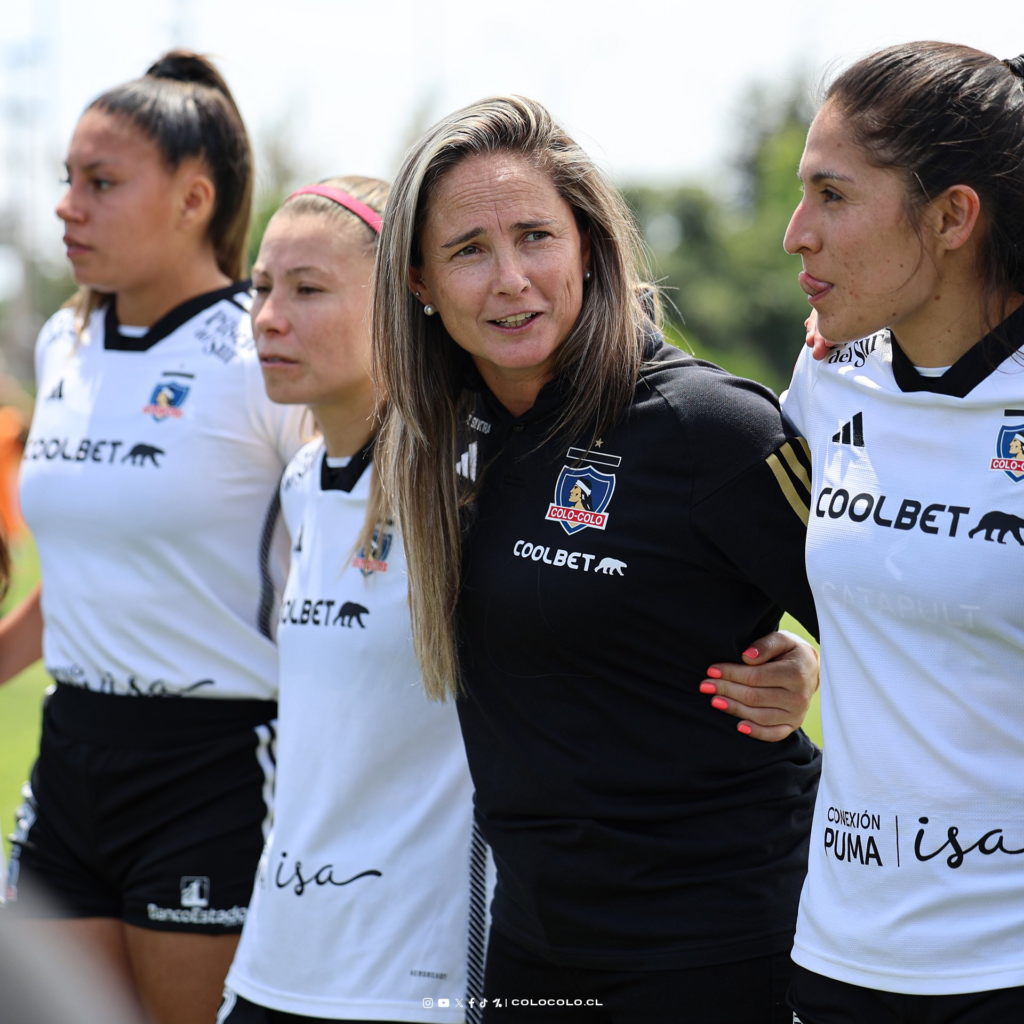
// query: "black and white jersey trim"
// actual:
[[113, 339], [477, 926], [266, 756], [975, 365], [344, 478], [268, 593], [228, 1001]]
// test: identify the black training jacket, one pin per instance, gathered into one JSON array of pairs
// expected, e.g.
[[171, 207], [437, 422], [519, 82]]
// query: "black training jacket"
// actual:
[[634, 828]]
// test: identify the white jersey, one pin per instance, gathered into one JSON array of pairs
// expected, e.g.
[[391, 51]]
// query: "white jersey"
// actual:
[[370, 900], [915, 553], [149, 481]]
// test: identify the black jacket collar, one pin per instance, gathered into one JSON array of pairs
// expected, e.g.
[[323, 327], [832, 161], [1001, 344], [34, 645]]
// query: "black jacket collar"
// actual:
[[552, 396]]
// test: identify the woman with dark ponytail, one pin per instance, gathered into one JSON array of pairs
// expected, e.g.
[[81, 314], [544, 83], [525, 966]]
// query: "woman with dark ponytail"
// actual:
[[911, 232], [150, 483]]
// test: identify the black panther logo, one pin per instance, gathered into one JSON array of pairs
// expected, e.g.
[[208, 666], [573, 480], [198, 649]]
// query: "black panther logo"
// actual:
[[1001, 523], [141, 452], [349, 611]]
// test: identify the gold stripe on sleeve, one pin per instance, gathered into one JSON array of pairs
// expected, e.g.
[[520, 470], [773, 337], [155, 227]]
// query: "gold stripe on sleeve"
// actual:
[[806, 448], [794, 499], [797, 467]]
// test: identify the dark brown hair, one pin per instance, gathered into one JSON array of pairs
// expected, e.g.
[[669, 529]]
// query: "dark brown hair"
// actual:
[[184, 105], [945, 115]]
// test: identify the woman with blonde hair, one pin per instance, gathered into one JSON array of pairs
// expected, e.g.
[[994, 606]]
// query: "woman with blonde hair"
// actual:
[[371, 893], [649, 854]]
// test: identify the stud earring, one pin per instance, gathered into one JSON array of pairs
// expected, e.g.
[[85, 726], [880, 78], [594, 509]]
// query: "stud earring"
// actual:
[[587, 276], [428, 310]]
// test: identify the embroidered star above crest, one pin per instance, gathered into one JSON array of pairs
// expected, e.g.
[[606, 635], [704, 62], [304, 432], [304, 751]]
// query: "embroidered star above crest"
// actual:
[[598, 443]]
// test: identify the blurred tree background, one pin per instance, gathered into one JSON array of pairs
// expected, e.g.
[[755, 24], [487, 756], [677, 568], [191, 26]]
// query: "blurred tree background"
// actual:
[[733, 288]]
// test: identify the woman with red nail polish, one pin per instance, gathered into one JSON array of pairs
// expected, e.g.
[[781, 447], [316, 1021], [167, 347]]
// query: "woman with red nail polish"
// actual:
[[649, 853], [911, 232]]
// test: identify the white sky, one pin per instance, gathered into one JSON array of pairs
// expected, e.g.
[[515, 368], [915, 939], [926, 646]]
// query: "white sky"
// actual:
[[651, 88]]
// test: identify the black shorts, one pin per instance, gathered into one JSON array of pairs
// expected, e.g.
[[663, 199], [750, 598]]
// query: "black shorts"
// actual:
[[236, 1009], [521, 987], [816, 999], [153, 810]]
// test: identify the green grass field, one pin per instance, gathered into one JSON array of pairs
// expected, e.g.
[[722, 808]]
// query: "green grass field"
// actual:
[[20, 701]]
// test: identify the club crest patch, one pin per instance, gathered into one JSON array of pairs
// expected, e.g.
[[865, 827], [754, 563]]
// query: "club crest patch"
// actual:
[[583, 492], [378, 562], [1010, 452], [166, 401]]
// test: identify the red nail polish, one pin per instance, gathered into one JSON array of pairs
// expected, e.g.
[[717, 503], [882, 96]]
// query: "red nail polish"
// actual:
[[721, 703], [715, 673], [750, 652], [744, 728], [708, 688]]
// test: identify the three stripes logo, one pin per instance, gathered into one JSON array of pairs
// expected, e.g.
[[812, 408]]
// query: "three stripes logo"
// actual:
[[466, 466], [852, 432], [791, 467]]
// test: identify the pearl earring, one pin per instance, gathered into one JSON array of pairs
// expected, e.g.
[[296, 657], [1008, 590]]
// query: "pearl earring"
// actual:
[[428, 310], [587, 276]]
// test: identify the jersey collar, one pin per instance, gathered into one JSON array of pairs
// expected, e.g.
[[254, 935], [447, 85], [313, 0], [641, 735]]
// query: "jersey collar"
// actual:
[[975, 365], [344, 478], [169, 322]]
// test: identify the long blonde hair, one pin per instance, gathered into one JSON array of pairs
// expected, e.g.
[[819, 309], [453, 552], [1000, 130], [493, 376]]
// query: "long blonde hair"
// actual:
[[420, 367]]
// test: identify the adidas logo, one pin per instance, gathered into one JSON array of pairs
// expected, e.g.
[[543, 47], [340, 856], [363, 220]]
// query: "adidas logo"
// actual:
[[466, 466], [57, 392], [851, 432]]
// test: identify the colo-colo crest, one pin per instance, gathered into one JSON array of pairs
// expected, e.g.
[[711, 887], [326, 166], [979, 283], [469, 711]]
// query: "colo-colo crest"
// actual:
[[583, 492], [380, 548], [1010, 450], [167, 399]]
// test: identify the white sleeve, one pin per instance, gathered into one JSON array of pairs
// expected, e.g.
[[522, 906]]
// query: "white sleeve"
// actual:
[[796, 399], [61, 322], [296, 484]]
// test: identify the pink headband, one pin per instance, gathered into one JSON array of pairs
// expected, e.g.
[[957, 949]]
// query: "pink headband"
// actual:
[[368, 216]]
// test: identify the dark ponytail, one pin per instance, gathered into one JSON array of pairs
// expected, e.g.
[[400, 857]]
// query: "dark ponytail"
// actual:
[[184, 105], [1016, 66], [944, 115]]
